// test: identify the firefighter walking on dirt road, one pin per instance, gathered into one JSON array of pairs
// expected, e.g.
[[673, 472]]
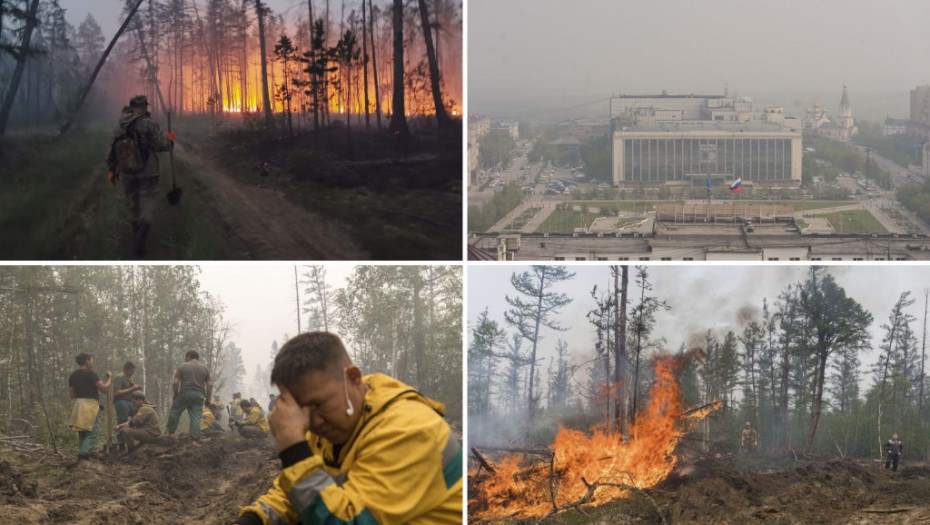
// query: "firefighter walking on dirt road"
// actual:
[[354, 448], [132, 159], [893, 449]]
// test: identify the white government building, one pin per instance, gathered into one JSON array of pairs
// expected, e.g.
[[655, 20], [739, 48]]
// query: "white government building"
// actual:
[[693, 139]]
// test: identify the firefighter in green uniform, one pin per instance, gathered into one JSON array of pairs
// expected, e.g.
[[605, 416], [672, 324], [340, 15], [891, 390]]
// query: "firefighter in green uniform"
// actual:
[[132, 159], [123, 387], [144, 427]]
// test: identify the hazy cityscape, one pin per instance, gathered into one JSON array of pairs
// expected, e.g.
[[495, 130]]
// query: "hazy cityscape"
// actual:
[[656, 138]]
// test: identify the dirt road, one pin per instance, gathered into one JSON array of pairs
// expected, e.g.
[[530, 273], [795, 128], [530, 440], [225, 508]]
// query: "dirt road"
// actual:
[[260, 223]]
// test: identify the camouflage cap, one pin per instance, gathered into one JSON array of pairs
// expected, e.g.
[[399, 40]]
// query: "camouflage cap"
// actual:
[[139, 101]]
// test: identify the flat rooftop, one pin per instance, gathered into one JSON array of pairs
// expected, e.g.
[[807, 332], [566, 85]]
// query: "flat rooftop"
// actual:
[[707, 125]]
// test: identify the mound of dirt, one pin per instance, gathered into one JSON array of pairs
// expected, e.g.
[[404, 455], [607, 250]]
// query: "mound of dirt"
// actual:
[[169, 483], [832, 492]]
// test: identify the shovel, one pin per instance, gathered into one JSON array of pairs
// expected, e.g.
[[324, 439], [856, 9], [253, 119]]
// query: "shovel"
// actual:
[[174, 196]]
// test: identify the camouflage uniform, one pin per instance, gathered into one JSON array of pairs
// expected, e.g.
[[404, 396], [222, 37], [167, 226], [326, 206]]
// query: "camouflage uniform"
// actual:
[[141, 188]]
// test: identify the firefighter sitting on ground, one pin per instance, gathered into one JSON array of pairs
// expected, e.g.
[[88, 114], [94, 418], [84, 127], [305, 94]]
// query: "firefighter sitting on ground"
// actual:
[[255, 425], [749, 439], [144, 427], [209, 421]]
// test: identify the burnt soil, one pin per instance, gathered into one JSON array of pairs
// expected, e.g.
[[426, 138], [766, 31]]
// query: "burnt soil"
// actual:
[[166, 483], [724, 492]]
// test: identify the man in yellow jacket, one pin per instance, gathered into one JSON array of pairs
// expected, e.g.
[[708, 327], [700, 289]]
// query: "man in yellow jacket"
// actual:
[[255, 425], [355, 449]]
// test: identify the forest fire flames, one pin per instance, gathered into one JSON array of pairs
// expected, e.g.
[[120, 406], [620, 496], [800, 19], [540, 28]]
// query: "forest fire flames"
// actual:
[[580, 461]]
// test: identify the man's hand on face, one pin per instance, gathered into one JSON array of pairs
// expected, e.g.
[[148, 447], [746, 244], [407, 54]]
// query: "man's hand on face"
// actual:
[[289, 421]]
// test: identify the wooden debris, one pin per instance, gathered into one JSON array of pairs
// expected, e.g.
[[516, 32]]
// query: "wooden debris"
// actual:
[[484, 463]]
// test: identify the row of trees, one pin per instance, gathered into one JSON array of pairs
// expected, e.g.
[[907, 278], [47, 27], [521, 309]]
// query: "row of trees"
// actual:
[[796, 373], [404, 321], [208, 56], [150, 315]]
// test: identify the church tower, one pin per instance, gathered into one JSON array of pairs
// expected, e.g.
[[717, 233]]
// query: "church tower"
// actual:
[[844, 120]]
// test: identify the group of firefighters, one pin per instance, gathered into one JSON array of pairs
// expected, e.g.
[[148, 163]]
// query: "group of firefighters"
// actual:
[[137, 422], [749, 440], [353, 448]]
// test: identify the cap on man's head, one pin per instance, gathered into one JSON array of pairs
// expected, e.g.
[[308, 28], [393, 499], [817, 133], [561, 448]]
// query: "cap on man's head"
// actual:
[[139, 101], [137, 395]]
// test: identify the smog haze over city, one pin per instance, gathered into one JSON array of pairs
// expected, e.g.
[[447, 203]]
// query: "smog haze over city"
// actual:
[[542, 59]]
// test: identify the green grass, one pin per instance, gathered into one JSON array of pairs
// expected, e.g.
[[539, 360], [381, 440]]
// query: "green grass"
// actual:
[[813, 205], [521, 221], [854, 221], [801, 224], [58, 204], [627, 221], [565, 221]]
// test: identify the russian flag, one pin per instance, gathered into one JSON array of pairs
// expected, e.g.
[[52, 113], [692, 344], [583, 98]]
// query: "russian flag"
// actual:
[[737, 185]]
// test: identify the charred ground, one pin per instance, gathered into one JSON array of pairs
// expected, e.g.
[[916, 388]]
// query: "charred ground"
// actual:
[[732, 491], [169, 483]]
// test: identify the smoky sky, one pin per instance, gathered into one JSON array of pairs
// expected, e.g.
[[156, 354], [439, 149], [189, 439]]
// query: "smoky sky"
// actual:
[[719, 298], [548, 53], [109, 13]]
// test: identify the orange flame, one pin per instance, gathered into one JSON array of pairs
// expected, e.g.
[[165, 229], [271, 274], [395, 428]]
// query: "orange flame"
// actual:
[[642, 461]]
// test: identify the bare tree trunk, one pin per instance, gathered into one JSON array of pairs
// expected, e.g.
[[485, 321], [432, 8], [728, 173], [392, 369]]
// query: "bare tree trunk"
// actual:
[[297, 298], [816, 405], [374, 64], [21, 65], [442, 118], [398, 117], [923, 359], [620, 369], [4, 113], [365, 67], [260, 9]]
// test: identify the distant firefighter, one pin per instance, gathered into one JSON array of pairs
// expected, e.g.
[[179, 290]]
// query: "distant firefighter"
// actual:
[[893, 449], [749, 439]]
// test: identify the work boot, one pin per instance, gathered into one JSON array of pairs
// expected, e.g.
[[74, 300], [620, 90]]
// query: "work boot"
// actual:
[[140, 235]]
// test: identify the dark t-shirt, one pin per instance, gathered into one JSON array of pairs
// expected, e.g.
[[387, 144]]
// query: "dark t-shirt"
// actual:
[[84, 382], [193, 375], [121, 382]]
